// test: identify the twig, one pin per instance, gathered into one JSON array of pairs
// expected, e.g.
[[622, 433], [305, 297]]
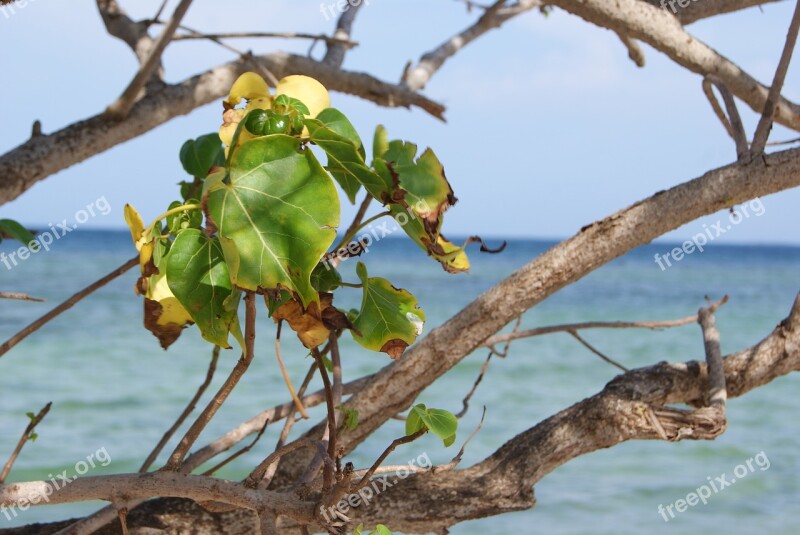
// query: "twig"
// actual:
[[334, 56], [285, 373], [787, 142], [653, 325], [20, 297], [717, 390], [594, 350], [336, 361], [287, 426], [396, 442], [239, 453], [460, 455], [635, 52], [176, 459], [124, 103], [212, 367], [352, 230], [258, 473], [66, 305], [484, 368], [765, 123], [327, 473], [733, 121], [347, 43], [25, 436]]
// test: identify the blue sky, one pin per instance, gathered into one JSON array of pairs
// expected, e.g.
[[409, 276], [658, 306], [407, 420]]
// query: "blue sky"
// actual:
[[550, 125]]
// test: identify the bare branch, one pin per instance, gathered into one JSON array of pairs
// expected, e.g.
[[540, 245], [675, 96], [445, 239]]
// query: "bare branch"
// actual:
[[417, 77], [732, 121], [212, 367], [594, 350], [334, 56], [771, 106], [661, 30], [653, 325], [20, 297], [344, 42], [123, 105], [26, 435], [66, 305], [40, 157], [707, 8], [176, 459]]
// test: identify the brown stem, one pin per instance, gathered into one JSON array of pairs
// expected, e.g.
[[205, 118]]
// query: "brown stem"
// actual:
[[66, 305], [176, 459], [25, 436], [765, 123], [120, 108], [396, 442], [212, 367], [327, 472]]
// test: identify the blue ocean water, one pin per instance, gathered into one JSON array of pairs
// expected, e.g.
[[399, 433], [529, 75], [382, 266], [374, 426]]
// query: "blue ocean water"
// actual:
[[115, 391]]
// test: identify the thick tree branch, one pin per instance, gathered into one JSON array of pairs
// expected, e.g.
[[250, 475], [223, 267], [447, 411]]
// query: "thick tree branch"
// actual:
[[661, 30], [709, 8], [122, 106], [42, 156], [503, 482]]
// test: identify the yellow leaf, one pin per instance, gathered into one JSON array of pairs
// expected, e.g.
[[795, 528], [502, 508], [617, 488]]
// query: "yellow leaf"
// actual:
[[249, 86], [307, 90]]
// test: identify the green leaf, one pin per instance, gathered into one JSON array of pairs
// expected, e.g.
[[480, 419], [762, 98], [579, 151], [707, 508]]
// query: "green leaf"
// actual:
[[33, 436], [350, 417], [380, 529], [276, 214], [389, 319], [413, 421], [30, 415], [441, 423], [359, 530], [417, 198], [199, 155], [184, 220], [345, 153], [15, 231], [380, 143], [199, 279], [422, 183], [325, 278]]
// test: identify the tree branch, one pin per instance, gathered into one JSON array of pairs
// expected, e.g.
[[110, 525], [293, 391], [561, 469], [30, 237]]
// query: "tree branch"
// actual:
[[661, 30], [122, 106], [42, 156]]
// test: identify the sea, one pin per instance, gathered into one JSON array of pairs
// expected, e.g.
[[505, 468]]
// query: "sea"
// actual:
[[115, 391]]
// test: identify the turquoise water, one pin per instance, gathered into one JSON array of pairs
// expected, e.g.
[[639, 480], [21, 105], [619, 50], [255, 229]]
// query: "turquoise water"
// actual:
[[115, 391]]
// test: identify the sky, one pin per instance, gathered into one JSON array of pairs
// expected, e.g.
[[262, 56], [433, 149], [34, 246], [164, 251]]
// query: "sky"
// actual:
[[549, 125]]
